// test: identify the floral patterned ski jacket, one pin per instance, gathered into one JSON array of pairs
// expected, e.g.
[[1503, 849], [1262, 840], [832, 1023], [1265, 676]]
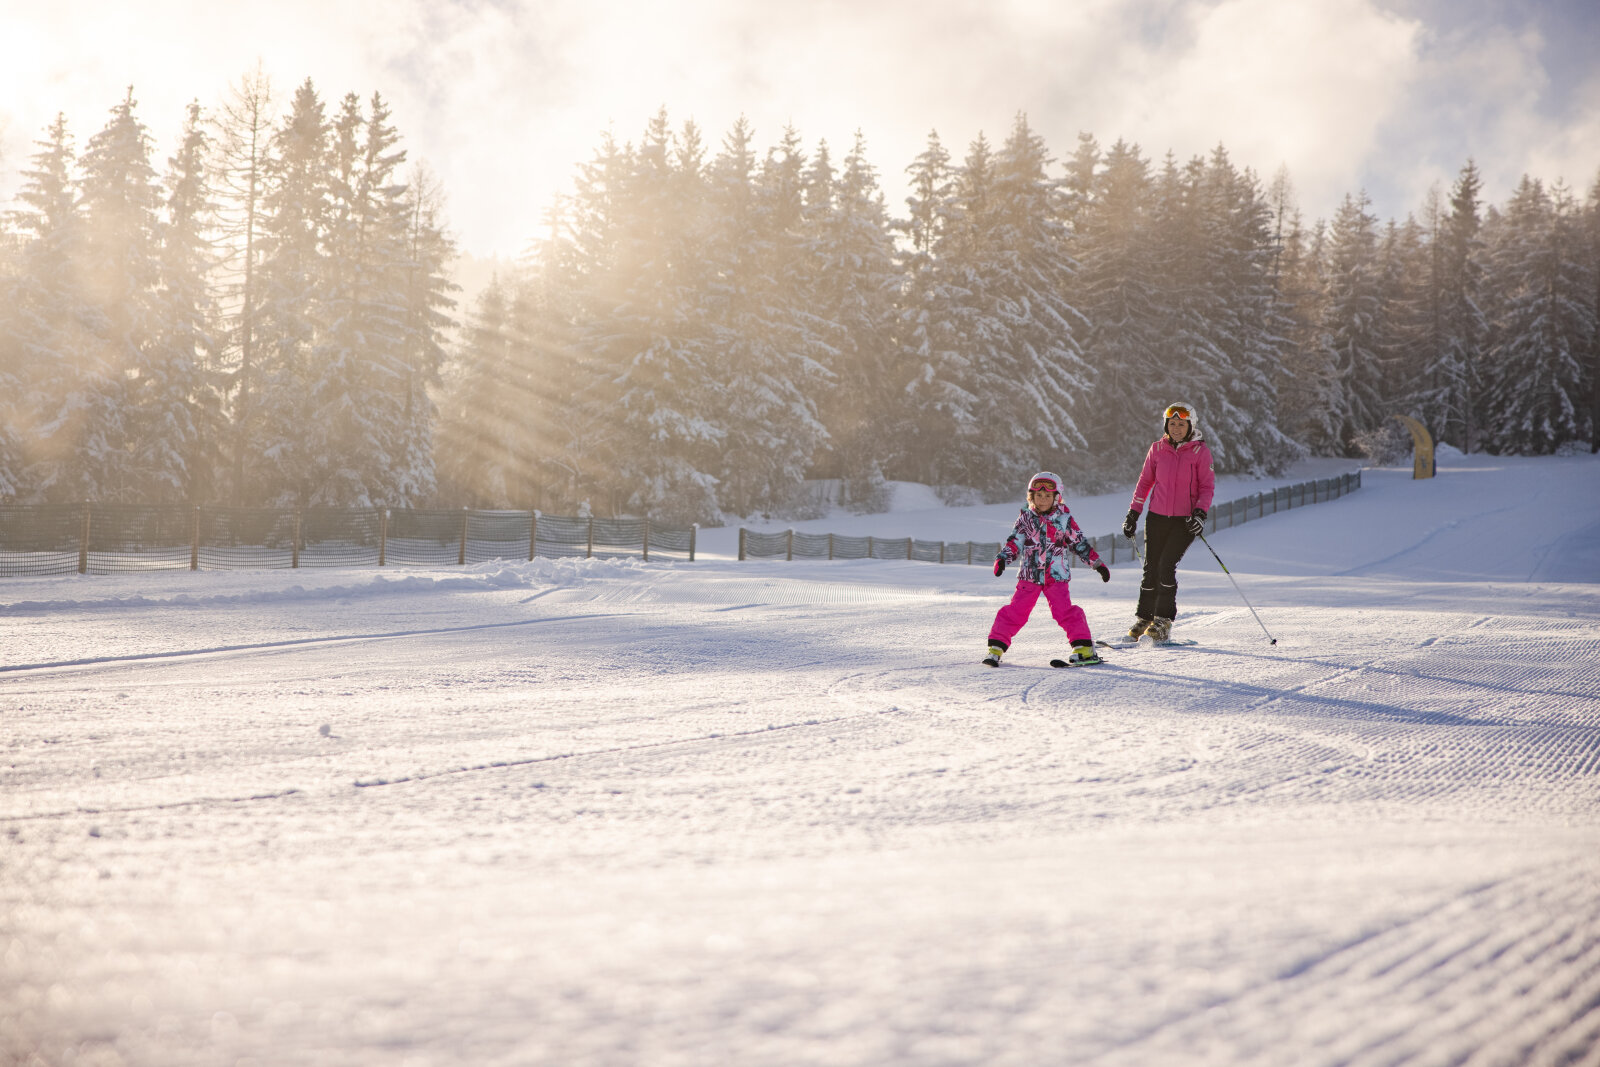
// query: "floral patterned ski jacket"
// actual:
[[1042, 542]]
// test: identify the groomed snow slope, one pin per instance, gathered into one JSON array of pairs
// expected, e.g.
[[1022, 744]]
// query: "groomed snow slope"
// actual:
[[570, 812]]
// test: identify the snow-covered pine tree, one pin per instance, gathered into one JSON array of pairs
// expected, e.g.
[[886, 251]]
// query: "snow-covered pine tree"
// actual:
[[1352, 327], [271, 410], [1116, 290], [1030, 274], [1308, 388], [771, 349], [1592, 257], [550, 373], [12, 389], [177, 414], [482, 409], [857, 285], [50, 341], [1405, 258], [1242, 320], [992, 442], [933, 373], [1451, 392], [579, 261], [241, 167], [1543, 322], [355, 374], [649, 421], [1191, 367], [425, 289], [121, 272]]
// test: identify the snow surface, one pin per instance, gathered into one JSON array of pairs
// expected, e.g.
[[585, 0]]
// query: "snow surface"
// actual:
[[598, 812]]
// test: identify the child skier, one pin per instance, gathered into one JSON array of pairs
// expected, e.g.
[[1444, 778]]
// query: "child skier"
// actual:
[[1042, 533]]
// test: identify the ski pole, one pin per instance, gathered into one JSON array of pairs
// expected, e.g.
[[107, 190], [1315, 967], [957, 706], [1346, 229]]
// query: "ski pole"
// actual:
[[1225, 570]]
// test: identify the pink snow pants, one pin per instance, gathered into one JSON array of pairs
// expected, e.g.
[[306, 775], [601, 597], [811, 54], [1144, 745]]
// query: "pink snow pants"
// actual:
[[1010, 618]]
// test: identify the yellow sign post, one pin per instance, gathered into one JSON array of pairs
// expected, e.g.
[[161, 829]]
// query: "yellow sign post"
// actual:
[[1422, 450]]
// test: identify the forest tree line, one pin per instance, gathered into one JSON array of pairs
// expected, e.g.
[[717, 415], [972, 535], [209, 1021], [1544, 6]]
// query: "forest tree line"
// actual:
[[698, 332]]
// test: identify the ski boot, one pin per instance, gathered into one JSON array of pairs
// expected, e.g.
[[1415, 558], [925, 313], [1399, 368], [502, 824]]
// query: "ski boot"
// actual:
[[996, 650], [1083, 655], [1160, 629], [1140, 625]]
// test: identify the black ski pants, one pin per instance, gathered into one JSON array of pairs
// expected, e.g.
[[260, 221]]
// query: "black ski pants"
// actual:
[[1166, 539]]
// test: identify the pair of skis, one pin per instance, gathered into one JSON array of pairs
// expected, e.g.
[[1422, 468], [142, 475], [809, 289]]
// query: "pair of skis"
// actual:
[[1179, 643]]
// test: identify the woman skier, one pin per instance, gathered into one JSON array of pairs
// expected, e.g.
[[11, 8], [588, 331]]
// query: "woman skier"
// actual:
[[1178, 481], [1043, 532]]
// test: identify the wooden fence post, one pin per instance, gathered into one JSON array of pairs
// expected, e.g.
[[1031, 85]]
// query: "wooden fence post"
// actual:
[[869, 547], [461, 556], [83, 541], [789, 546], [830, 546], [294, 551], [533, 533], [908, 548], [194, 542], [694, 528], [647, 539], [741, 543], [588, 553], [383, 534]]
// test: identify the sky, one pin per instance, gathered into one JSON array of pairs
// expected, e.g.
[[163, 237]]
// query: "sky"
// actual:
[[502, 99]]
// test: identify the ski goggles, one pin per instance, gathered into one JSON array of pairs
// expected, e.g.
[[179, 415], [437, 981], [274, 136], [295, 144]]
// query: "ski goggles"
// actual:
[[1180, 410], [1041, 487]]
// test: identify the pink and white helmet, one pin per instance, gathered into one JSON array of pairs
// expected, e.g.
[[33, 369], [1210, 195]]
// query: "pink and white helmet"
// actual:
[[1046, 476]]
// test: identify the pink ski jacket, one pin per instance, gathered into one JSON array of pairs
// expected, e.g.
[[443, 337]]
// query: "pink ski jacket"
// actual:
[[1043, 541], [1175, 480]]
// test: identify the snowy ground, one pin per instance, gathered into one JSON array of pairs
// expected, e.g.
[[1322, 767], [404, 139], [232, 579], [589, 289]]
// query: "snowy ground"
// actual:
[[570, 812]]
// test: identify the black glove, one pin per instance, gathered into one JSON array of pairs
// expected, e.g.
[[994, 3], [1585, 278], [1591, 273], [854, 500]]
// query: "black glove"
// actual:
[[1197, 521], [1105, 572], [999, 566], [1129, 523]]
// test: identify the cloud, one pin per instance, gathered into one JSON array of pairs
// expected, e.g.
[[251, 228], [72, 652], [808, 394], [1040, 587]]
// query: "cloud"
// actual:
[[504, 98]]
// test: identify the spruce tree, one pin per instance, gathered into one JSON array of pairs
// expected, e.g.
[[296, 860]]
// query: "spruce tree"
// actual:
[[52, 344], [121, 270], [1191, 367], [271, 410], [176, 401], [357, 376], [242, 167], [1308, 388], [858, 284], [1116, 289], [482, 461], [1543, 323], [426, 292], [934, 373], [1242, 320], [1352, 327], [1031, 270], [649, 392], [769, 346], [1452, 388]]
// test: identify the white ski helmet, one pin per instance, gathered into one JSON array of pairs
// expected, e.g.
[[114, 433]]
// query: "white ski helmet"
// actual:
[[1183, 411], [1046, 476]]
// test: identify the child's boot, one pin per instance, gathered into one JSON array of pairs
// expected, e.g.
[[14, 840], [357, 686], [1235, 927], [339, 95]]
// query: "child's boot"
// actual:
[[996, 650], [1140, 625], [1160, 629], [1083, 654]]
